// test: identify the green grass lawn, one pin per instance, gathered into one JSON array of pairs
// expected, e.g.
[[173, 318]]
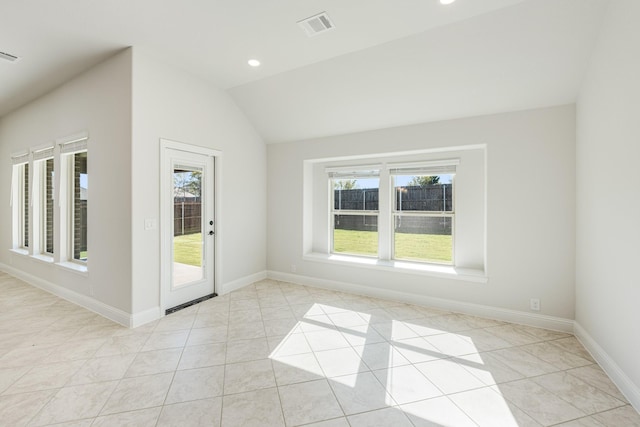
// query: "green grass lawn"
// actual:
[[187, 249], [355, 242], [414, 247]]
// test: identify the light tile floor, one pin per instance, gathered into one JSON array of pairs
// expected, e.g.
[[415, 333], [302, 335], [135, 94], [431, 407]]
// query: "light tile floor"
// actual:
[[276, 354]]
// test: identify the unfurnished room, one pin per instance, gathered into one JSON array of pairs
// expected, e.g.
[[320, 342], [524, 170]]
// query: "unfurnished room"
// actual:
[[319, 213]]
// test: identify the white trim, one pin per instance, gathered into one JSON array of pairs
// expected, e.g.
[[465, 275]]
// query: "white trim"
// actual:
[[353, 168], [507, 315], [398, 153], [424, 164], [84, 301], [74, 147], [74, 267], [47, 259], [449, 164], [319, 245], [72, 138], [165, 212], [107, 311], [485, 201], [234, 285], [144, 317], [630, 390], [19, 159], [44, 153], [181, 146], [19, 251], [444, 271]]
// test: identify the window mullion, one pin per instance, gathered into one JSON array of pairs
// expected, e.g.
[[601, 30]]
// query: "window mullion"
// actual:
[[385, 219], [59, 207]]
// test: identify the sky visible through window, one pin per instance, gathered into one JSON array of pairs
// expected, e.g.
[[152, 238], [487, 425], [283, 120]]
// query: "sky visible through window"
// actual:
[[400, 181]]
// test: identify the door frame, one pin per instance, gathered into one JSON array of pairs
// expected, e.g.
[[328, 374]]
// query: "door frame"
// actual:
[[166, 215]]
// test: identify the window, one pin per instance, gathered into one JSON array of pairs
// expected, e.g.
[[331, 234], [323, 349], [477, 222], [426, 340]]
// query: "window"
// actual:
[[423, 214], [79, 204], [49, 203], [417, 218], [24, 206], [20, 202], [74, 183], [44, 179], [47, 223], [354, 213], [426, 209]]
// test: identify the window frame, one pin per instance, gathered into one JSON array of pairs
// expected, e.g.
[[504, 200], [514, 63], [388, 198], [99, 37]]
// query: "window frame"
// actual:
[[395, 213], [71, 217], [387, 210], [359, 172], [29, 171], [40, 165], [22, 206], [68, 149]]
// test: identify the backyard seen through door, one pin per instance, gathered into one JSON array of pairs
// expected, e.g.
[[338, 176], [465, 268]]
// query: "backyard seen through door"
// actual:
[[187, 225]]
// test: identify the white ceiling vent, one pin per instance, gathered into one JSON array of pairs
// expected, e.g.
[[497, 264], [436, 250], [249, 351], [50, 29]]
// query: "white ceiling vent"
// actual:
[[8, 57], [316, 24]]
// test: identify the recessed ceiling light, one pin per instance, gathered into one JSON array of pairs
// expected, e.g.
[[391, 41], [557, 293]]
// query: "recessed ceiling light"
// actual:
[[446, 1], [254, 62]]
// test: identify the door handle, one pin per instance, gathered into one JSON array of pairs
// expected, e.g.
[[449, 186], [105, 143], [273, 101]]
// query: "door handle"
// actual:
[[211, 233]]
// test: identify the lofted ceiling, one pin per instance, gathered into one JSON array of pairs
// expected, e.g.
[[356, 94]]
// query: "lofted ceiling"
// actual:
[[387, 62]]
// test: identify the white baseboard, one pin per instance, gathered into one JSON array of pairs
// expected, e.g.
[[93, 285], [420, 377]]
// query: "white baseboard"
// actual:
[[92, 304], [146, 316], [112, 313], [630, 390], [513, 316], [139, 319], [242, 282]]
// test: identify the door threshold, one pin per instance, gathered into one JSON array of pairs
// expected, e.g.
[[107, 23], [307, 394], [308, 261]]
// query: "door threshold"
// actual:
[[189, 304]]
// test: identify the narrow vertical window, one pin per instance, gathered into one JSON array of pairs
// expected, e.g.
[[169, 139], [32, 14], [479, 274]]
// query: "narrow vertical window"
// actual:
[[46, 207], [24, 206], [79, 201], [48, 217], [42, 238], [354, 212], [74, 200], [20, 202]]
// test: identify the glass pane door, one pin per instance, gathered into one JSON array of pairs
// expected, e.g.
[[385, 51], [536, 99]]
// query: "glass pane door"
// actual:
[[188, 238]]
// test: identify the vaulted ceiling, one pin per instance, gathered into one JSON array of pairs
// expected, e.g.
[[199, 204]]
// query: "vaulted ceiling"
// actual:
[[386, 63]]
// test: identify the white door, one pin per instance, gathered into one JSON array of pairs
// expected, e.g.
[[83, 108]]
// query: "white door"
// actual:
[[188, 227]]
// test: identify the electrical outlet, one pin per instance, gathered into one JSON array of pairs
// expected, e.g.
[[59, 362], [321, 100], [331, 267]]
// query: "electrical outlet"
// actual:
[[293, 268], [534, 304]]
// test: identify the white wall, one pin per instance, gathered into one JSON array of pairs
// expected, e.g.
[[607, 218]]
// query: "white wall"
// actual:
[[127, 104], [172, 104], [99, 102], [608, 201], [531, 207]]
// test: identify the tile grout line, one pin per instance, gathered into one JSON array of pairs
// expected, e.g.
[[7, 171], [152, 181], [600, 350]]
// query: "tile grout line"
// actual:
[[326, 300]]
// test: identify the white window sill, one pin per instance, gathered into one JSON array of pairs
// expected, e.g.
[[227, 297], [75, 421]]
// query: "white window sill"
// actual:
[[74, 267], [48, 259], [434, 270], [23, 252]]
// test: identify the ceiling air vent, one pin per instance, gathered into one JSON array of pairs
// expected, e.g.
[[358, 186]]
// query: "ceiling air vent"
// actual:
[[316, 24], [8, 57]]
